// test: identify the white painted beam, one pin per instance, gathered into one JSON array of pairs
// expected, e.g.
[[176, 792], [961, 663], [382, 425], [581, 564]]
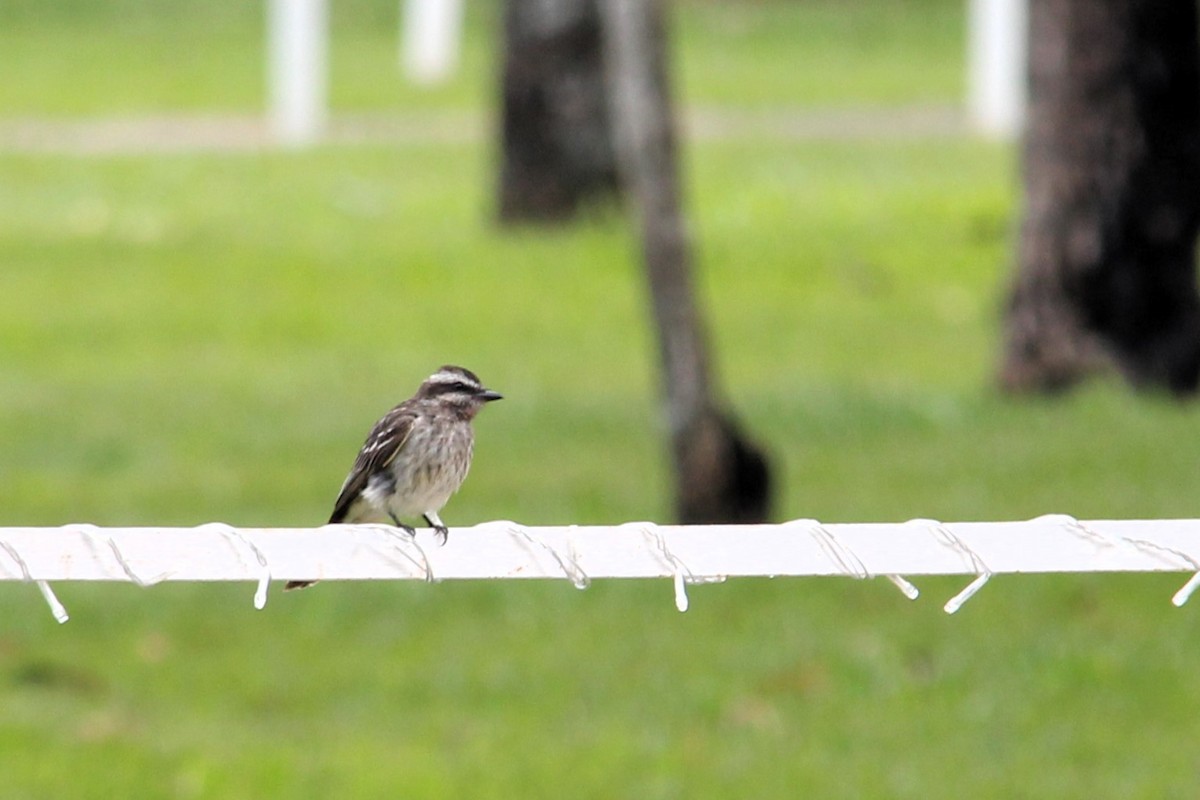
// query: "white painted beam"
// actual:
[[687, 554], [429, 41]]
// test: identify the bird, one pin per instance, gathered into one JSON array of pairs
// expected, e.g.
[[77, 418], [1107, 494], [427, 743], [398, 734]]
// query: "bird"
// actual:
[[415, 457]]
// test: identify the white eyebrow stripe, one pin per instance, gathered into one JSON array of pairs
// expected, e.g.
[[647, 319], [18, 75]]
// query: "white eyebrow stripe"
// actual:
[[447, 377]]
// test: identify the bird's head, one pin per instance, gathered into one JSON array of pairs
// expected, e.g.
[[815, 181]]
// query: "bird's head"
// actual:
[[458, 388]]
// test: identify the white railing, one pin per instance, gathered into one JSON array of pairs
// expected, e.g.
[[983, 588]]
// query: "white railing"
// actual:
[[685, 554], [996, 66], [298, 44], [297, 72]]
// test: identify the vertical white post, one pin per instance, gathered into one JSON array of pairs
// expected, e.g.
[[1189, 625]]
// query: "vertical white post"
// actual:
[[996, 72], [297, 43], [430, 37]]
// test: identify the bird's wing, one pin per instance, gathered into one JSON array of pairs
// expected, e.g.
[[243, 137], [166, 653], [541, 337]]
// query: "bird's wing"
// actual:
[[383, 444]]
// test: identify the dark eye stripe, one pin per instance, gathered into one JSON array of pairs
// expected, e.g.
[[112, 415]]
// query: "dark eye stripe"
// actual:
[[457, 387]]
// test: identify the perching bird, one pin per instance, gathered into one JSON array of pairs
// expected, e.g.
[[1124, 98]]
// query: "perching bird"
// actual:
[[415, 457]]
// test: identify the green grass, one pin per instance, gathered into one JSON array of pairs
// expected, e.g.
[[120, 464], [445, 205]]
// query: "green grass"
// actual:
[[189, 338], [820, 52]]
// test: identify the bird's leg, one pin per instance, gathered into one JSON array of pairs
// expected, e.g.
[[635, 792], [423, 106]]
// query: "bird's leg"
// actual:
[[439, 529], [406, 528]]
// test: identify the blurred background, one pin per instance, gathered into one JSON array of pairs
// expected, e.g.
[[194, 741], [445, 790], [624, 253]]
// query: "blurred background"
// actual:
[[198, 324]]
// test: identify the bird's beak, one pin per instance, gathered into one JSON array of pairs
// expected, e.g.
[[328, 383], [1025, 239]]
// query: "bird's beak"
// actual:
[[487, 396]]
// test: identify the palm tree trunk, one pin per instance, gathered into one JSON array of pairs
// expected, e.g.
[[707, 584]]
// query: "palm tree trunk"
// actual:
[[720, 476]]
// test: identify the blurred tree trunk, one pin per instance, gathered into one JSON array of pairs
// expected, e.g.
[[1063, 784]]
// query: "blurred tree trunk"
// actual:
[[720, 475], [557, 150], [1107, 273]]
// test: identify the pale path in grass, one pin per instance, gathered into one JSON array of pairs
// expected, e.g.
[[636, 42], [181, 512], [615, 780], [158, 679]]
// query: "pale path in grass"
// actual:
[[244, 132]]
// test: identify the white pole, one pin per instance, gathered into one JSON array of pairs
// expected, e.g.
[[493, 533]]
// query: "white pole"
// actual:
[[297, 34], [429, 39], [996, 72]]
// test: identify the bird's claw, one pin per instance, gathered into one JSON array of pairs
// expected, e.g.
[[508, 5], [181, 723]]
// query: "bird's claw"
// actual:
[[442, 533], [409, 529]]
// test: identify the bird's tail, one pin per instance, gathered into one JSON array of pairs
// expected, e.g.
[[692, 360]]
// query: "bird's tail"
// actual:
[[290, 585]]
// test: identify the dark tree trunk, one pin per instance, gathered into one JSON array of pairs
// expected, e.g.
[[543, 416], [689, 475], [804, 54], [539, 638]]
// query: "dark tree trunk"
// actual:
[[1107, 273], [556, 138], [720, 475]]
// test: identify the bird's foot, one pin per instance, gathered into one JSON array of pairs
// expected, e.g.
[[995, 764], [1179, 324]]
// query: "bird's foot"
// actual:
[[409, 529], [439, 530]]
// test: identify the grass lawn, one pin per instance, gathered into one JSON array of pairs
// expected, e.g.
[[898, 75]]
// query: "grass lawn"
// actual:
[[188, 338]]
